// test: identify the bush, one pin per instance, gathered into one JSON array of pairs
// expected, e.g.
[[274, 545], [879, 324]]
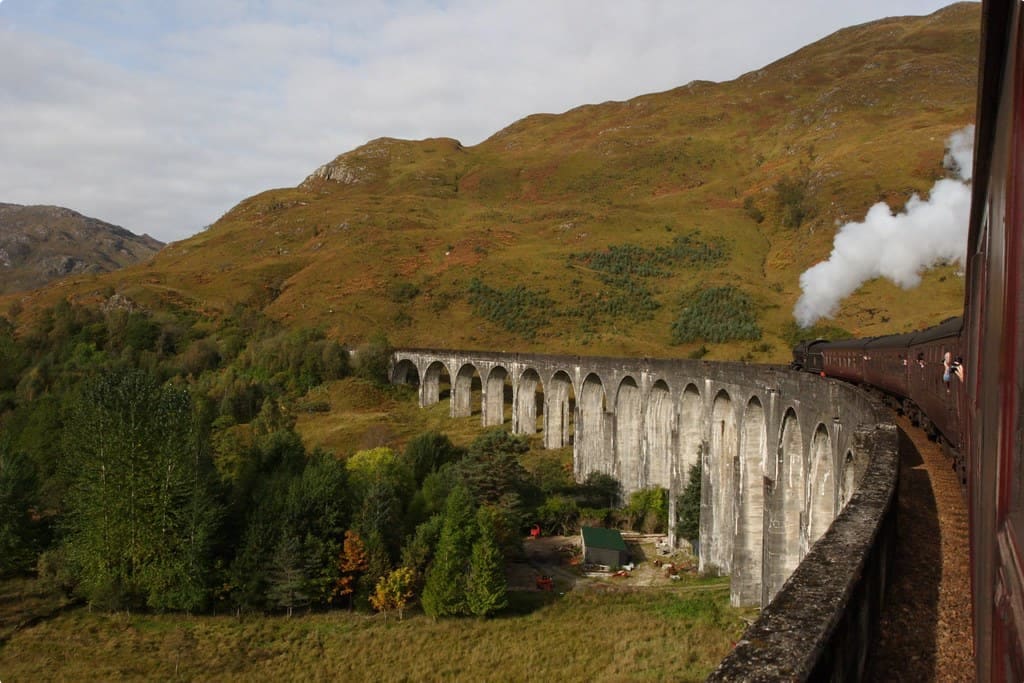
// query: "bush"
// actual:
[[402, 292], [791, 194], [518, 309], [648, 510], [558, 515], [751, 210], [717, 315]]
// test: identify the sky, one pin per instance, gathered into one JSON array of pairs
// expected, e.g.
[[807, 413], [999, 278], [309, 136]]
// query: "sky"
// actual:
[[160, 115]]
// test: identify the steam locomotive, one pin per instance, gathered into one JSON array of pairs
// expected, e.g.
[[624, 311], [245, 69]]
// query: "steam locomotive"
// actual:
[[979, 412]]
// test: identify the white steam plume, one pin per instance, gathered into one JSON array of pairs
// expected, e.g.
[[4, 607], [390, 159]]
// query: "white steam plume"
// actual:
[[898, 247]]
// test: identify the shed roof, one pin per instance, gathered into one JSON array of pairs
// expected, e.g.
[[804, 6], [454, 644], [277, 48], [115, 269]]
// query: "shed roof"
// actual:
[[598, 537]]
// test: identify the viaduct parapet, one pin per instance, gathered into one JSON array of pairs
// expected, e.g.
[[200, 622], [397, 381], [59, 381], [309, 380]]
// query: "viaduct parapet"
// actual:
[[781, 451]]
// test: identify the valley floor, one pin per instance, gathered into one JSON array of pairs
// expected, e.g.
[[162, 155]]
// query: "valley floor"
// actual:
[[619, 633]]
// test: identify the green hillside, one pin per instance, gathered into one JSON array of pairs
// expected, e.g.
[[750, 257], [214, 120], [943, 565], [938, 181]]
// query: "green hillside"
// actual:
[[591, 231]]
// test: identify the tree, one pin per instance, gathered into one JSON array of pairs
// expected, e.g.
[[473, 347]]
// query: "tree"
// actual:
[[419, 548], [486, 587], [558, 515], [18, 530], [688, 526], [601, 490], [394, 591], [428, 452], [378, 565], [445, 591], [288, 578], [492, 470], [351, 564], [372, 359], [316, 513], [140, 525]]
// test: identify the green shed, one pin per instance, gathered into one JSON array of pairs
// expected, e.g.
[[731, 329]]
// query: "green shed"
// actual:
[[604, 546]]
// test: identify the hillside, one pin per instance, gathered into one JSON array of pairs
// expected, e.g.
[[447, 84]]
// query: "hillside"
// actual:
[[40, 244], [506, 245]]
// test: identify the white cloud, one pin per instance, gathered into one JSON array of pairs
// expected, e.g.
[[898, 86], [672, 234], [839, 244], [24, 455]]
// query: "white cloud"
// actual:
[[161, 116], [897, 246]]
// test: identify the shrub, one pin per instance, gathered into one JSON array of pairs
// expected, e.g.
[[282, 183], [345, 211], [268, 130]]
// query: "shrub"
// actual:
[[716, 314], [648, 510], [792, 198], [517, 309], [751, 210]]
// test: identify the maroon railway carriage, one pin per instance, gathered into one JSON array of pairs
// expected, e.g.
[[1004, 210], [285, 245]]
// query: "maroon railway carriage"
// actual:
[[994, 341], [941, 402], [844, 359], [887, 363]]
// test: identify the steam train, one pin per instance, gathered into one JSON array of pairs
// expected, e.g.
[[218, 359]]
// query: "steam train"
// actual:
[[981, 417], [921, 374]]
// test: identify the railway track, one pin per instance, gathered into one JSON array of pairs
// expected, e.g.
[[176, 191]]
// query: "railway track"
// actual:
[[925, 630]]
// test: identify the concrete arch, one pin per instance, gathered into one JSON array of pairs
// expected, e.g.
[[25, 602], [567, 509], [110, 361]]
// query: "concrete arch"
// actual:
[[821, 495], [493, 398], [749, 544], [659, 426], [718, 507], [629, 466], [559, 411], [462, 390], [405, 372], [849, 483], [691, 432], [786, 508], [436, 383], [591, 452], [524, 419]]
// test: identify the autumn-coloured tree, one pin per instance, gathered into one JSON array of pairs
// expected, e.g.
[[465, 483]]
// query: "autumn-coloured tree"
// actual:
[[394, 591], [351, 564]]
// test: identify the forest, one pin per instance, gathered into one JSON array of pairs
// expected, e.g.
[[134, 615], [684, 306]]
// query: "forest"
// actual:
[[150, 461]]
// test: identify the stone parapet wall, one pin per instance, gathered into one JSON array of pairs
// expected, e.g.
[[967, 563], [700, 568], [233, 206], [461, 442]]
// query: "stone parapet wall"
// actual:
[[821, 624]]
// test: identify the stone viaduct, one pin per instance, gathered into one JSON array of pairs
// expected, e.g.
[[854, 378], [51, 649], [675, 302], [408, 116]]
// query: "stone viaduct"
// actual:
[[781, 451]]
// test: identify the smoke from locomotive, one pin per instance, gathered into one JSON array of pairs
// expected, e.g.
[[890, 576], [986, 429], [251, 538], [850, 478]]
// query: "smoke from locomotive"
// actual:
[[895, 246]]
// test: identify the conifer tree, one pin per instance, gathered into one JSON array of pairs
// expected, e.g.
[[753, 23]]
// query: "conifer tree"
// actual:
[[689, 506], [486, 586], [445, 591], [288, 579], [136, 530]]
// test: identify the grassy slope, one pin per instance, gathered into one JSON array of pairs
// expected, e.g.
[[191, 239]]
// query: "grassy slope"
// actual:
[[860, 116]]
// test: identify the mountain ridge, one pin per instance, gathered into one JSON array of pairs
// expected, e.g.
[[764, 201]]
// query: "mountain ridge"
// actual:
[[395, 236], [43, 243]]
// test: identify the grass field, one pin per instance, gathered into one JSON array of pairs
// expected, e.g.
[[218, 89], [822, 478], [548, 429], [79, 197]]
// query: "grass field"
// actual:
[[616, 634]]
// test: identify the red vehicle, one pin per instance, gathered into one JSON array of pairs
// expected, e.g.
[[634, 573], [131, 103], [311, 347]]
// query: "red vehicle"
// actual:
[[979, 417]]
